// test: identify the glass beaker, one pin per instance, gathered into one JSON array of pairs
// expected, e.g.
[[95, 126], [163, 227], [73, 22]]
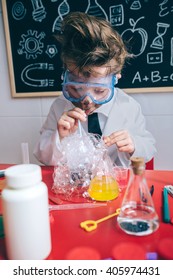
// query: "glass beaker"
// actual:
[[103, 186]]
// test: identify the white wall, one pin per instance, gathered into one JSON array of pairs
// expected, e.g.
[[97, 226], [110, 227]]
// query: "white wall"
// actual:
[[21, 119]]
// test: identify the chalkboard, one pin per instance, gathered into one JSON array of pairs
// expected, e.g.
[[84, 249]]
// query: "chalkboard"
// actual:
[[34, 55]]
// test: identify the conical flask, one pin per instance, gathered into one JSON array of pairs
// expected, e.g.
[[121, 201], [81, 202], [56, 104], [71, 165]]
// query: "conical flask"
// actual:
[[95, 9], [138, 215]]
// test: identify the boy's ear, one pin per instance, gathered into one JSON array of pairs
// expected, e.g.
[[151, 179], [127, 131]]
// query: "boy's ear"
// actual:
[[118, 76]]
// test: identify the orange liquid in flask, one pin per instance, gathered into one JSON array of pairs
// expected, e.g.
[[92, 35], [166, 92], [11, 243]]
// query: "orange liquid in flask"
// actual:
[[103, 188]]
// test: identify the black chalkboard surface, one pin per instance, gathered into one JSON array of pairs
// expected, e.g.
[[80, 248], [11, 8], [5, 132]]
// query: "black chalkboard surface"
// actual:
[[34, 55]]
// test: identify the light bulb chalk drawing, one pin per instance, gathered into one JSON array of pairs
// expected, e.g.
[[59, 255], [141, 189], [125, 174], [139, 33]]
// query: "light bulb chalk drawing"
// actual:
[[39, 12], [42, 82], [138, 35]]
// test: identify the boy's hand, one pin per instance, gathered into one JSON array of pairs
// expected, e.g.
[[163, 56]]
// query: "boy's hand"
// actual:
[[68, 123], [122, 140]]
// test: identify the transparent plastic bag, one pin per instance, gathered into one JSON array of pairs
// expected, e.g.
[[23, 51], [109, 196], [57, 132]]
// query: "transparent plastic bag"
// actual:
[[80, 156]]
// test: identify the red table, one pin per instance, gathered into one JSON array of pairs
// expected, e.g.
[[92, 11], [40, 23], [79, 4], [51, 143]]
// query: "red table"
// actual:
[[67, 234]]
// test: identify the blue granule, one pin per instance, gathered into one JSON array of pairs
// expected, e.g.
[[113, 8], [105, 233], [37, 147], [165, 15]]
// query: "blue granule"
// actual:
[[137, 227]]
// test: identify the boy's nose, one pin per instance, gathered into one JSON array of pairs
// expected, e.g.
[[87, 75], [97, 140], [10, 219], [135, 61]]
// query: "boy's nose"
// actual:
[[86, 101]]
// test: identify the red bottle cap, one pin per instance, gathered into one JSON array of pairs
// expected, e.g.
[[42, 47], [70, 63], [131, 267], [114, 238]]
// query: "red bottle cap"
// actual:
[[128, 251], [83, 253]]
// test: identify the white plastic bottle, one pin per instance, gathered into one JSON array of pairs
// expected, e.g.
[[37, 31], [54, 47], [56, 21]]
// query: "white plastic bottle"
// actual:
[[26, 213]]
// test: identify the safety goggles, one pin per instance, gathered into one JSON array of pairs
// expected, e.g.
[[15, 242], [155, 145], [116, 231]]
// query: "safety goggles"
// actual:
[[100, 90]]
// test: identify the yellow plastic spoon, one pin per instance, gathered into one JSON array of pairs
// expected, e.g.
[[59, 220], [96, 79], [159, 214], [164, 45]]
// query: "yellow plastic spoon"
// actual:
[[90, 225]]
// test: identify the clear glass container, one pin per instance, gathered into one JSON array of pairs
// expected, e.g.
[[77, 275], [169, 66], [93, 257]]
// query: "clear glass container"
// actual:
[[137, 215], [103, 185]]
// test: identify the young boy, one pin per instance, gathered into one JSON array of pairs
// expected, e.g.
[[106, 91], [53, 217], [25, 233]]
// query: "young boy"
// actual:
[[93, 55]]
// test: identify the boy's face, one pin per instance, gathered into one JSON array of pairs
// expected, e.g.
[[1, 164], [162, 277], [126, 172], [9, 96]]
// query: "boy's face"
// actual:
[[86, 88]]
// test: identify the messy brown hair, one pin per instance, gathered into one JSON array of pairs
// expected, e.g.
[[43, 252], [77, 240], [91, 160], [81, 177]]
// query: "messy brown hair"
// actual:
[[91, 41]]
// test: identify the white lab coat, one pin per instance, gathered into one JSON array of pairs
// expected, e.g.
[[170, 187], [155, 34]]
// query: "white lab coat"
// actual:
[[122, 112]]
